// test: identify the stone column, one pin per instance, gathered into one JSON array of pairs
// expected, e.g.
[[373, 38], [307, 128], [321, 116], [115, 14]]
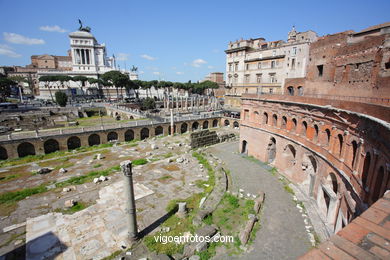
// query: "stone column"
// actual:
[[192, 103], [204, 103], [172, 127], [131, 215], [186, 103]]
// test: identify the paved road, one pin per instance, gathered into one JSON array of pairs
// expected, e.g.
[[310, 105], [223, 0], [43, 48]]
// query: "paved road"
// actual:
[[282, 234]]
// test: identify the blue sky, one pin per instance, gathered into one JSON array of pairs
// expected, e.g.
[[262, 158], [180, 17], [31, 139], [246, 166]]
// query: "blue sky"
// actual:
[[171, 40]]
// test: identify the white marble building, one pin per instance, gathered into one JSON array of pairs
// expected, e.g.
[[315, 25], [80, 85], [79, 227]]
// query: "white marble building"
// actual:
[[89, 59]]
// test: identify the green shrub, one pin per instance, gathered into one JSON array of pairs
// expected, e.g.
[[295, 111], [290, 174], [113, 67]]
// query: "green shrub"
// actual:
[[61, 98], [139, 162]]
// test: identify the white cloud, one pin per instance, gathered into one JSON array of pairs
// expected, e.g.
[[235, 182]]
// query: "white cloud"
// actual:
[[179, 73], [122, 56], [156, 73], [20, 39], [141, 72], [54, 28], [7, 51], [215, 50], [210, 67], [198, 62], [147, 57]]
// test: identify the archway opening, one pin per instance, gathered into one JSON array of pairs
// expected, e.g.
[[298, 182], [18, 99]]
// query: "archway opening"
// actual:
[[290, 90], [300, 91], [51, 146], [144, 133], [184, 128], [3, 153], [265, 118], [195, 126], [205, 124], [271, 150], [274, 120], [354, 152], [284, 122], [25, 149], [366, 169], [304, 128], [376, 192], [93, 139], [244, 147], [174, 129], [226, 123], [215, 123], [294, 125], [73, 142], [159, 130], [129, 135], [112, 136], [236, 124]]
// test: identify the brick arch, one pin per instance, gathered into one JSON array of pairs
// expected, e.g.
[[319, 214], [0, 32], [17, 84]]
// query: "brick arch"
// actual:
[[236, 124], [195, 126], [244, 147], [284, 122], [265, 118], [93, 139], [271, 150], [205, 125], [159, 130], [51, 146], [144, 133], [304, 128], [354, 152], [183, 128], [366, 170], [215, 123], [316, 132], [274, 120], [129, 135], [3, 153], [73, 142], [294, 124], [289, 157], [377, 184], [338, 146], [226, 122], [112, 136], [25, 149]]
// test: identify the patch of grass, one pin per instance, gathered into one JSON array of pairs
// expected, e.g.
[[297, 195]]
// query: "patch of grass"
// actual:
[[208, 220], [211, 181], [139, 162], [97, 165], [9, 177], [165, 177], [274, 171], [77, 207], [14, 196], [7, 208], [288, 189], [233, 200], [113, 255], [167, 155], [88, 177]]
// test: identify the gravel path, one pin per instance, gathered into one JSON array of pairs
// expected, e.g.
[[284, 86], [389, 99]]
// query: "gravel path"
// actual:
[[282, 234]]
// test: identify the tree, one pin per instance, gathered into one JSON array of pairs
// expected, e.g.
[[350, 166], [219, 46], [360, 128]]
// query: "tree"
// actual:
[[61, 98], [117, 78], [5, 88], [82, 80], [148, 103]]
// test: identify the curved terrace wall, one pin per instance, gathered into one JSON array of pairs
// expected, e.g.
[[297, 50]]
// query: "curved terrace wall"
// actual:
[[338, 158]]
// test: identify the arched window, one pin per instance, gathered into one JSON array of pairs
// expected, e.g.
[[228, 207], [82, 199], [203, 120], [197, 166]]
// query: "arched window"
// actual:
[[290, 90], [284, 122], [354, 153], [274, 120], [304, 128], [316, 131], [376, 192], [327, 131], [144, 133], [366, 169], [340, 144], [265, 118], [294, 125], [300, 91]]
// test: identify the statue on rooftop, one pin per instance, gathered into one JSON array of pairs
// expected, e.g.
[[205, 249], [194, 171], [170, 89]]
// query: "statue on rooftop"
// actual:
[[84, 29]]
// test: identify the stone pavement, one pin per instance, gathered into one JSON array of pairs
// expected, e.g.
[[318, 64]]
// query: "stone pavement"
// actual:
[[366, 237], [282, 234], [92, 233]]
